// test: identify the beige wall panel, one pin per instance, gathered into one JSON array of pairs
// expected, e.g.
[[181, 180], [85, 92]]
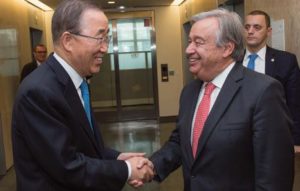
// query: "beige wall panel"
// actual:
[[203, 5], [192, 7], [36, 17], [48, 33], [168, 44], [279, 9]]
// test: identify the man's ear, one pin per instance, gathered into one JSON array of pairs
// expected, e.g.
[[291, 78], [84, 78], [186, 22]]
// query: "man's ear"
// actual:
[[67, 41], [228, 49], [269, 29]]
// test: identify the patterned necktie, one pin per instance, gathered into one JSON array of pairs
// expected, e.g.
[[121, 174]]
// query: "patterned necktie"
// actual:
[[251, 63], [201, 115], [86, 100]]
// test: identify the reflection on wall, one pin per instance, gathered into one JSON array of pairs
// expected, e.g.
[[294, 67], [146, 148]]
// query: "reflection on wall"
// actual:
[[9, 57], [9, 78]]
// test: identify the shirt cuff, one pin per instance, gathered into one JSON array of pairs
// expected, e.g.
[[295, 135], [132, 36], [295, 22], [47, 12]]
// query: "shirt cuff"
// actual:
[[129, 169]]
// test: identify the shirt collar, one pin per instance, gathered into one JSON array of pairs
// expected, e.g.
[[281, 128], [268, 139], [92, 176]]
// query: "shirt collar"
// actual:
[[75, 77], [261, 53], [219, 80], [38, 63]]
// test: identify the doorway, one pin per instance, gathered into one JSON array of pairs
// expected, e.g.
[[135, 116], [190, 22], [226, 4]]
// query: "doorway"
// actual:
[[126, 86], [35, 38]]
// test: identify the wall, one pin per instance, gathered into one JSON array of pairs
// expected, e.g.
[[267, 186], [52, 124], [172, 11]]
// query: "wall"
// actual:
[[192, 7], [48, 35], [168, 44], [287, 10], [16, 17]]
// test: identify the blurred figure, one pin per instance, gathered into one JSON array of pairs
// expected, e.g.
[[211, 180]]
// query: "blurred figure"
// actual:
[[280, 65], [57, 144], [40, 55], [232, 132]]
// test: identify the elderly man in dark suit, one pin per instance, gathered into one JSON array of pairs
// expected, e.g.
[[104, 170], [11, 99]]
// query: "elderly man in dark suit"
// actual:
[[40, 55], [56, 141], [232, 132], [280, 65]]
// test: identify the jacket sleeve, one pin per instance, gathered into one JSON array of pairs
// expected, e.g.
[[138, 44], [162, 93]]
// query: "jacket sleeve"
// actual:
[[292, 89], [272, 141]]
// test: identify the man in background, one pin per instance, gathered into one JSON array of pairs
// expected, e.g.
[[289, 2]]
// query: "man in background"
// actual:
[[232, 131], [280, 65], [57, 143], [40, 55]]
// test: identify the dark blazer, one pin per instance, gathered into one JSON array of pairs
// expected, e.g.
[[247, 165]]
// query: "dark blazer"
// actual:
[[27, 69], [53, 145], [283, 66], [245, 144]]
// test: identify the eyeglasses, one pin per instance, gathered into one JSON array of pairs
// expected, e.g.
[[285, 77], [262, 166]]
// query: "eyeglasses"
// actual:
[[100, 40], [41, 52]]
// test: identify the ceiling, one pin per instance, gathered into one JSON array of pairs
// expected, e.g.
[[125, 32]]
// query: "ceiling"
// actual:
[[126, 3]]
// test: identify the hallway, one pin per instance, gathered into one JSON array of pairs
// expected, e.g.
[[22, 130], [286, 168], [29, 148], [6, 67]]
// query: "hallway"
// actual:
[[143, 136]]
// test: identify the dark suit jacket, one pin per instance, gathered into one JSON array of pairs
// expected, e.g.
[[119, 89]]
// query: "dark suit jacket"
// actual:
[[283, 66], [53, 145], [245, 144], [27, 69]]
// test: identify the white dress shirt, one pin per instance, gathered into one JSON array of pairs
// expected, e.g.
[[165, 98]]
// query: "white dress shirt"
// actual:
[[218, 81], [260, 61]]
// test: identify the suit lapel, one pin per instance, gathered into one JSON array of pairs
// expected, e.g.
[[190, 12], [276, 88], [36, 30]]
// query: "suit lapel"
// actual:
[[227, 93], [270, 62], [73, 99]]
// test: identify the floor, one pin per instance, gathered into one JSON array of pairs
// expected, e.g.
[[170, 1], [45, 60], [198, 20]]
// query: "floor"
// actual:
[[145, 136]]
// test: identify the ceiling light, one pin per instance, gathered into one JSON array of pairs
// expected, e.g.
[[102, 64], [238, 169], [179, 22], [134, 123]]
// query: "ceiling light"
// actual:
[[39, 5], [177, 2], [111, 2], [122, 7]]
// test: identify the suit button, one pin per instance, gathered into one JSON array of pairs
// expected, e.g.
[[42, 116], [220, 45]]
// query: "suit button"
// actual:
[[192, 176]]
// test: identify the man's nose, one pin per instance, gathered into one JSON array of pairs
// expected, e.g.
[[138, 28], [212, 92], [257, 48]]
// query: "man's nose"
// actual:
[[190, 48], [103, 47]]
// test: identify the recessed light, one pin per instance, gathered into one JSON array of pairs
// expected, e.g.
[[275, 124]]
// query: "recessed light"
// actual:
[[39, 4], [177, 2], [111, 2], [122, 7]]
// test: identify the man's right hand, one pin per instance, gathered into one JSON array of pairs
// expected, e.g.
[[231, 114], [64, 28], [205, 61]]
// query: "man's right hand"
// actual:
[[141, 171]]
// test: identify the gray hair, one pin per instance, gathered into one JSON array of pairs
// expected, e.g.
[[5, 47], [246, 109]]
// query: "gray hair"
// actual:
[[230, 29], [67, 16]]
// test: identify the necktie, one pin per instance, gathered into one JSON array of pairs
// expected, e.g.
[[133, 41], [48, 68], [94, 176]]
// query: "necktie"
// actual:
[[251, 62], [86, 100], [201, 115]]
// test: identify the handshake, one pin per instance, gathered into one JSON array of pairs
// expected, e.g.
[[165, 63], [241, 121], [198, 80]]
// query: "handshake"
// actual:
[[142, 169]]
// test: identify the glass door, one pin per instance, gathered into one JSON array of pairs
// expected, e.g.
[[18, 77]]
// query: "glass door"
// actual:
[[124, 89]]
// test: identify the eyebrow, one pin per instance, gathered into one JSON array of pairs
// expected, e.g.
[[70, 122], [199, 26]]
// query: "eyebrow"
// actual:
[[254, 25], [101, 31]]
